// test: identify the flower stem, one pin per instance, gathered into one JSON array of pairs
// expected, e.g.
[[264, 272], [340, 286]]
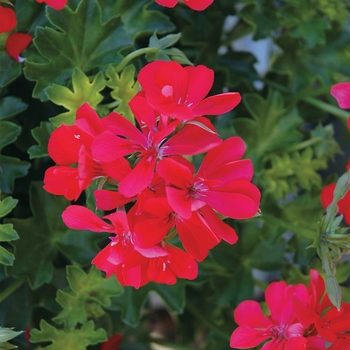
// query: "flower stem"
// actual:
[[133, 55], [10, 289], [327, 107], [307, 143]]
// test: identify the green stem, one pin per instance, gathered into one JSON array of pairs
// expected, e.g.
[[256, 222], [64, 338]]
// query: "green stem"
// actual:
[[194, 311], [111, 105], [307, 143], [10, 289], [297, 229], [133, 55], [327, 107]]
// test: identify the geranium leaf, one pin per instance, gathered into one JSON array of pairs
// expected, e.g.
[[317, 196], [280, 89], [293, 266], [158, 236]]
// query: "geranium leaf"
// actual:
[[137, 18], [77, 339], [8, 133], [68, 46], [13, 69], [44, 233], [88, 293], [41, 134], [83, 91], [131, 301], [124, 89], [10, 106], [11, 168]]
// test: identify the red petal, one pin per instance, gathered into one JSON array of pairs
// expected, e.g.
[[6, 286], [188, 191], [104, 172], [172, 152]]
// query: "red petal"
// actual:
[[139, 178], [218, 104], [200, 81], [296, 343], [341, 92], [180, 201], [167, 3], [327, 195], [81, 218], [8, 20], [112, 343], [102, 263], [198, 5], [108, 200], [218, 227], [55, 4], [245, 337], [249, 313], [16, 43]]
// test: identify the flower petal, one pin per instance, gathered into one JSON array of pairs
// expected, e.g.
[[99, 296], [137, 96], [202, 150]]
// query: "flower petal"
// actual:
[[245, 337], [16, 43], [8, 20], [341, 92]]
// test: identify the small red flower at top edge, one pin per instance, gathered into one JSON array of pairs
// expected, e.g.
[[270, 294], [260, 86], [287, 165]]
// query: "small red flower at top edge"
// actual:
[[112, 343], [198, 5], [8, 20], [55, 4], [16, 43]]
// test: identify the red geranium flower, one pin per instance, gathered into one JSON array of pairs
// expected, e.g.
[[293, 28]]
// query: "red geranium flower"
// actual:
[[55, 4], [222, 182], [343, 204], [16, 43], [8, 20], [180, 92], [152, 143], [198, 5]]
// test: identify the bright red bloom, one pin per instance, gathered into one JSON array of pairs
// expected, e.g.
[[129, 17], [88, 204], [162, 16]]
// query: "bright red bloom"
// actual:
[[76, 149], [222, 182], [198, 5], [112, 343], [180, 92], [8, 20], [152, 143], [341, 92], [281, 327], [343, 204], [55, 4], [16, 43], [132, 264]]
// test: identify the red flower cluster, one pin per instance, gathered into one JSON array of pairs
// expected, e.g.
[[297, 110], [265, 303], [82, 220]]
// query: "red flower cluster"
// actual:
[[341, 92], [198, 5], [300, 319], [149, 167]]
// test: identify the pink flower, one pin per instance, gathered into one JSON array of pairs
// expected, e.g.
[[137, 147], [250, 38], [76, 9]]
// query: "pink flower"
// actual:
[[16, 43], [341, 92], [8, 20], [180, 92], [155, 141], [343, 204], [55, 4], [222, 182], [281, 328], [198, 5]]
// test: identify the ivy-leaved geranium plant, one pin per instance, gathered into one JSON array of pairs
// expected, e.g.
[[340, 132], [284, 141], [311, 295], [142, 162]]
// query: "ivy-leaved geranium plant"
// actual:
[[160, 172]]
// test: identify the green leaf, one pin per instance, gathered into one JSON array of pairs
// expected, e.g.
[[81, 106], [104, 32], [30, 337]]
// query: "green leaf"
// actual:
[[7, 334], [68, 46], [88, 293], [10, 169], [8, 133], [11, 106], [83, 91], [124, 89], [42, 236], [132, 300], [13, 69], [6, 205], [261, 15], [77, 339], [138, 19], [273, 127], [42, 135]]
